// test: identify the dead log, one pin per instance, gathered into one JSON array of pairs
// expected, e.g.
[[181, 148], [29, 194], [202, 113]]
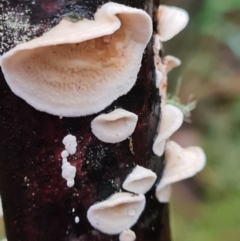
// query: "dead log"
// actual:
[[37, 203]]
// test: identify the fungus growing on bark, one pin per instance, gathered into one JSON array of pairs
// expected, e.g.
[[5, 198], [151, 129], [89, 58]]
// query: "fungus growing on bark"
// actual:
[[181, 163], [140, 180], [70, 143], [127, 235], [80, 68], [172, 119], [115, 126], [162, 67], [116, 214], [170, 62], [170, 21], [69, 171]]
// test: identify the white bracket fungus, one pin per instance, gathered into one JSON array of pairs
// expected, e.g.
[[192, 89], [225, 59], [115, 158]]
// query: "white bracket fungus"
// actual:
[[181, 163], [115, 126], [127, 235], [170, 62], [162, 68], [170, 21], [140, 180], [80, 68], [116, 214], [172, 119]]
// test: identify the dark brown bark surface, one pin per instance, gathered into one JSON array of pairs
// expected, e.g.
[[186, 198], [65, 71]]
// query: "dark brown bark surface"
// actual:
[[37, 203]]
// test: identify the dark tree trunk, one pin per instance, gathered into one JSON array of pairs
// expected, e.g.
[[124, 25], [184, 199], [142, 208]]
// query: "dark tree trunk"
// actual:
[[36, 201]]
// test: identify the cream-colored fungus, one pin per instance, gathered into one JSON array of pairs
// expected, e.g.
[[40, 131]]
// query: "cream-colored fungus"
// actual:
[[115, 126], [116, 214], [80, 68], [170, 21], [180, 163], [172, 119], [140, 180]]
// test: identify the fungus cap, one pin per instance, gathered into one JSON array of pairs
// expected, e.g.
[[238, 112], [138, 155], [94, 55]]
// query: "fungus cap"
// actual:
[[140, 180], [116, 214], [127, 235], [170, 21], [80, 68], [114, 126], [170, 62], [181, 163], [172, 119]]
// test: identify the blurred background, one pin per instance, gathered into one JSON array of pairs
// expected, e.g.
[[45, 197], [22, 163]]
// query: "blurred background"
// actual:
[[207, 207]]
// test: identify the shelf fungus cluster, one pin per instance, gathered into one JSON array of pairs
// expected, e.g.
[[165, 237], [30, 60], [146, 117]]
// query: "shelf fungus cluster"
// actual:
[[81, 72], [121, 210], [180, 163]]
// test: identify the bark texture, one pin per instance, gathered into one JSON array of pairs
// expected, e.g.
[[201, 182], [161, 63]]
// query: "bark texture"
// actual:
[[37, 203]]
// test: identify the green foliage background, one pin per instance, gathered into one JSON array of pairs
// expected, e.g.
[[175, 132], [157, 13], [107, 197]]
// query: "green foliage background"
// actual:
[[206, 208]]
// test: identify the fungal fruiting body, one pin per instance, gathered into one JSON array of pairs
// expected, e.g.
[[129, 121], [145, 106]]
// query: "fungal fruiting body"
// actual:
[[127, 235], [77, 219], [70, 143], [115, 126], [172, 119], [116, 214], [170, 21], [80, 68], [180, 163], [69, 171], [140, 180]]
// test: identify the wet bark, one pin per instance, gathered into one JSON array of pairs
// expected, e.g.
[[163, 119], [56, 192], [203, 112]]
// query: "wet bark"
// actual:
[[36, 201]]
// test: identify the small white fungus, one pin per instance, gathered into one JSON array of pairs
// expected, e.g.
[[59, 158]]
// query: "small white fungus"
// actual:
[[127, 235], [117, 213], [77, 219], [64, 154], [70, 143], [115, 126], [140, 180], [69, 171]]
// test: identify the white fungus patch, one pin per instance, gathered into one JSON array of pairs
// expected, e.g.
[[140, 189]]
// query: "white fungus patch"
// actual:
[[114, 126], [69, 171], [77, 219], [162, 67], [80, 68], [127, 235], [172, 119], [170, 21], [140, 180], [116, 214], [181, 163], [70, 143]]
